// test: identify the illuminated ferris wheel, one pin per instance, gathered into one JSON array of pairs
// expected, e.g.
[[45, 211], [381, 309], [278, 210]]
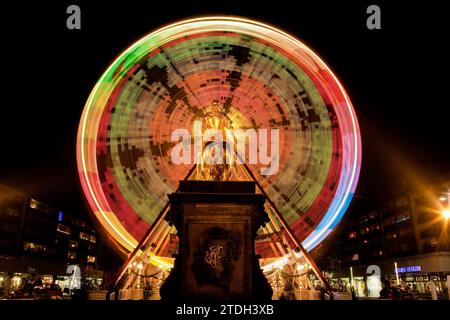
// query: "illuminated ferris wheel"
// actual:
[[259, 77]]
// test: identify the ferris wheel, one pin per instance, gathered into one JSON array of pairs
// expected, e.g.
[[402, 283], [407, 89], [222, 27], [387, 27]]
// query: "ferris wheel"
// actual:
[[260, 78]]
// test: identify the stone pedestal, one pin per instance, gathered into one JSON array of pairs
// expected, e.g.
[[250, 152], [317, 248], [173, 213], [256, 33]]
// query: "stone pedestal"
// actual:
[[217, 223]]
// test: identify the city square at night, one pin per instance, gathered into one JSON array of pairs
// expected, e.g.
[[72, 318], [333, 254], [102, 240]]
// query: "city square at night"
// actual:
[[211, 159]]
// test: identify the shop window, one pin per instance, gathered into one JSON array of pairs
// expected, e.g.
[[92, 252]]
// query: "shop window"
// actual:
[[434, 242], [16, 282], [90, 259], [34, 247], [63, 229]]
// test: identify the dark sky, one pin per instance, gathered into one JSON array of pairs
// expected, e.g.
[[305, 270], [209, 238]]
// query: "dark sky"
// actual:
[[396, 78]]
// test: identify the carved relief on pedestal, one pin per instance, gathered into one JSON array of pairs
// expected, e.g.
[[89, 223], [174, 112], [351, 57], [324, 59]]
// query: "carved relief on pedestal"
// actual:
[[215, 259]]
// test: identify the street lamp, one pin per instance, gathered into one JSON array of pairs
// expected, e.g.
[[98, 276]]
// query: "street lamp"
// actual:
[[445, 201], [446, 213], [352, 285], [396, 273]]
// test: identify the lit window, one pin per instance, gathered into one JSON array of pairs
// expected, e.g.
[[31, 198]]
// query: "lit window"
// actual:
[[352, 235], [33, 204], [375, 253], [391, 235], [90, 259], [365, 230], [402, 217], [84, 236], [87, 237], [34, 247], [73, 244], [63, 229]]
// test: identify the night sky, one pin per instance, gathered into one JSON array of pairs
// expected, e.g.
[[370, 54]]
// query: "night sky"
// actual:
[[396, 78]]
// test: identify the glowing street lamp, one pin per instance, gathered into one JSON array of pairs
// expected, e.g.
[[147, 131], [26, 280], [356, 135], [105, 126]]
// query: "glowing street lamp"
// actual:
[[352, 285], [446, 213], [445, 201], [396, 273]]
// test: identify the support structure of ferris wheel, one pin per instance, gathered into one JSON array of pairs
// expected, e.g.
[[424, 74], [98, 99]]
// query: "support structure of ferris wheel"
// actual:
[[150, 244]]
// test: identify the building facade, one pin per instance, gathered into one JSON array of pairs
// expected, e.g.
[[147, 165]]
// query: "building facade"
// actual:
[[39, 240], [407, 238]]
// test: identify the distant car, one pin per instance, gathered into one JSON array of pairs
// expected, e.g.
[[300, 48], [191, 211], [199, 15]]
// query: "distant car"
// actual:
[[48, 292]]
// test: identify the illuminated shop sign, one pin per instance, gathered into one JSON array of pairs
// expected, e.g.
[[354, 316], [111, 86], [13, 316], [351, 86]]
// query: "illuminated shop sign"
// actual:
[[409, 269]]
